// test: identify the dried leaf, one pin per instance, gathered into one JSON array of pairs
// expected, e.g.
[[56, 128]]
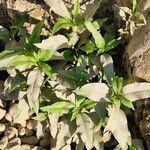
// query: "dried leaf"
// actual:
[[54, 43], [85, 128], [94, 91], [58, 7], [117, 124], [136, 91], [35, 80]]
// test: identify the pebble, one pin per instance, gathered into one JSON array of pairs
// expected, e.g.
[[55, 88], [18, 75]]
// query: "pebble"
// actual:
[[14, 144], [2, 127], [31, 140], [4, 142], [11, 132], [28, 132], [32, 124], [2, 113]]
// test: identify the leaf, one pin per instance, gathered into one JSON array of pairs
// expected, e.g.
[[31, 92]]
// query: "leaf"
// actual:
[[35, 36], [136, 91], [76, 8], [125, 101], [117, 84], [93, 91], [53, 119], [108, 67], [89, 47], [58, 7], [40, 117], [117, 124], [58, 107], [62, 23], [45, 55], [54, 43], [140, 16], [99, 40], [134, 4], [4, 33], [6, 59], [91, 8], [85, 128], [46, 69], [23, 60], [35, 80]]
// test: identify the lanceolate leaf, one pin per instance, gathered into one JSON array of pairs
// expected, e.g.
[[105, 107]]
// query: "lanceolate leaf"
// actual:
[[85, 128], [76, 9], [58, 107], [108, 67], [58, 7], [99, 40], [62, 23], [45, 55], [93, 91], [54, 43], [35, 80], [136, 91], [117, 124]]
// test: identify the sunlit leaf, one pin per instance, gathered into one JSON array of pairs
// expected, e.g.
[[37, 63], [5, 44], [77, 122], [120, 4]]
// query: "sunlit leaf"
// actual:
[[35, 80], [117, 124], [85, 128], [140, 16], [54, 43], [134, 4], [62, 23], [108, 67], [45, 55], [46, 69], [93, 91], [136, 91], [58, 107], [40, 117], [99, 40], [76, 8], [58, 7]]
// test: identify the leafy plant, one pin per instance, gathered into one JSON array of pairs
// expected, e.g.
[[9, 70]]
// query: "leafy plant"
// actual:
[[76, 92]]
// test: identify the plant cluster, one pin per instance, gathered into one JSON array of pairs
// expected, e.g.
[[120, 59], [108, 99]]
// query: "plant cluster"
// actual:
[[69, 80]]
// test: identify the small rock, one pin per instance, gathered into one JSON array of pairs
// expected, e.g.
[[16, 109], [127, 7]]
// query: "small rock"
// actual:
[[32, 124], [2, 113], [2, 127], [21, 131], [28, 132], [8, 117], [45, 142], [14, 144], [1, 104], [31, 140], [25, 147], [4, 142], [11, 132]]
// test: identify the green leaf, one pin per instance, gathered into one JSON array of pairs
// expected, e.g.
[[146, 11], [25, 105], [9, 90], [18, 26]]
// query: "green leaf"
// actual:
[[76, 8], [19, 22], [117, 84], [24, 60], [112, 44], [46, 69], [4, 33], [58, 107], [45, 55], [140, 16], [125, 101], [99, 40], [89, 47], [35, 36], [75, 113], [62, 23], [40, 117], [88, 104], [134, 4]]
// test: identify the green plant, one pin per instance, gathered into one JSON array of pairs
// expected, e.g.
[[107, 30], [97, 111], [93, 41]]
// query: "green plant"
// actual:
[[78, 93]]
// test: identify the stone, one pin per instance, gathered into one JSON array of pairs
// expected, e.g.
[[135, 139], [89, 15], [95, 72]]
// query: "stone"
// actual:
[[31, 140], [32, 124], [28, 132], [11, 132], [2, 127], [4, 142], [2, 113], [14, 144]]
